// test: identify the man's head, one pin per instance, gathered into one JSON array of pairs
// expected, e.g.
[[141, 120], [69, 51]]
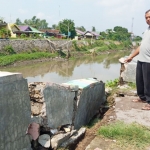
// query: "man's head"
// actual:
[[147, 17]]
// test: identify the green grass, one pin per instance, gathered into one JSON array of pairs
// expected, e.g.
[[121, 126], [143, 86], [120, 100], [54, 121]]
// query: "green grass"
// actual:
[[10, 59], [127, 135], [112, 83]]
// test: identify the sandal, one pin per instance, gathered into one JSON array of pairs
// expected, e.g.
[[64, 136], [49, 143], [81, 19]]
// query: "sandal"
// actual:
[[146, 107], [138, 100]]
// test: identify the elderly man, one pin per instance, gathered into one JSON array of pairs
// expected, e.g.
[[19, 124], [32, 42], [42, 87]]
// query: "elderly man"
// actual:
[[143, 66]]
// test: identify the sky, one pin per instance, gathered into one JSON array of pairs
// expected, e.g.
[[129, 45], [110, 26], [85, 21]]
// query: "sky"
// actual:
[[101, 14]]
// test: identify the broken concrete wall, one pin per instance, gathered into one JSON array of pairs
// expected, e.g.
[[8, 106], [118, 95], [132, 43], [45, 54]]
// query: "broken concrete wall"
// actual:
[[67, 103], [15, 112], [59, 105], [90, 100]]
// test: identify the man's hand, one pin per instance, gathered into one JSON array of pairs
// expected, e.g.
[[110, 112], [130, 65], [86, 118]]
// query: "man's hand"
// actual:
[[129, 59]]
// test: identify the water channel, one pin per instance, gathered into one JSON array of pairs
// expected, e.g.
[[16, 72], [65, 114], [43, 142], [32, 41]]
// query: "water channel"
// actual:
[[104, 67]]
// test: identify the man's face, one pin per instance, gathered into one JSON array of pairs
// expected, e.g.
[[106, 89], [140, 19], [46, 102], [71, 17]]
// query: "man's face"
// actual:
[[147, 17]]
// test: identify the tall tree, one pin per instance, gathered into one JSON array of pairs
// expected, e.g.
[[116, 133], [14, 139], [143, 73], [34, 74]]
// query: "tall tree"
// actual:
[[37, 23], [54, 26], [67, 27], [93, 29], [18, 22]]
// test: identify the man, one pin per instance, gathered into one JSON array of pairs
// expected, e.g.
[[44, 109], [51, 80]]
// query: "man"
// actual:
[[143, 66]]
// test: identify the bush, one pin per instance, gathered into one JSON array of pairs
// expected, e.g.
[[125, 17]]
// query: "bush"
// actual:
[[9, 49]]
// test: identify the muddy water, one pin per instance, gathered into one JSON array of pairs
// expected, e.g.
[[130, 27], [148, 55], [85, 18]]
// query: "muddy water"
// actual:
[[104, 67]]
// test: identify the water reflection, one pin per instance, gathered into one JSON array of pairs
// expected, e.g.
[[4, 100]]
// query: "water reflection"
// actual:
[[103, 67]]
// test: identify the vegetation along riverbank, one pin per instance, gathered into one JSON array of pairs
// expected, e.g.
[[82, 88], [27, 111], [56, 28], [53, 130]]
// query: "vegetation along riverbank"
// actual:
[[9, 56]]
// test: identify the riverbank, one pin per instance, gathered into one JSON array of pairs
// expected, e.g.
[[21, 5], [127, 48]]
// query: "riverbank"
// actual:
[[27, 61], [12, 52]]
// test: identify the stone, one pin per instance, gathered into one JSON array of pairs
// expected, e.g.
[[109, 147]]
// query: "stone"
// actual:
[[44, 140], [57, 140], [33, 130]]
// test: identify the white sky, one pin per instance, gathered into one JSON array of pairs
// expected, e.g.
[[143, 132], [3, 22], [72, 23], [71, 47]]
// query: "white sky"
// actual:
[[102, 14]]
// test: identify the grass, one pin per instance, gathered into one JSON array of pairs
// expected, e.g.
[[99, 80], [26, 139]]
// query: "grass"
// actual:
[[10, 59], [112, 83], [127, 135]]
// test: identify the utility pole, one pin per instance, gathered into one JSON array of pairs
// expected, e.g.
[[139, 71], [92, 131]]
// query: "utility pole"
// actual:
[[132, 25], [132, 35]]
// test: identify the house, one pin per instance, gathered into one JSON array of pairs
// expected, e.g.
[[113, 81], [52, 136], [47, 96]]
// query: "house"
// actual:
[[80, 33], [28, 30], [91, 34], [13, 28], [53, 32]]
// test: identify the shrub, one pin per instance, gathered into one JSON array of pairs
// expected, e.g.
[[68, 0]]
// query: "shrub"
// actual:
[[9, 49]]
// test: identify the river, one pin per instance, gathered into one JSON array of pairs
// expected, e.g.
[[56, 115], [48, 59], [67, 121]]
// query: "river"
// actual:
[[104, 67]]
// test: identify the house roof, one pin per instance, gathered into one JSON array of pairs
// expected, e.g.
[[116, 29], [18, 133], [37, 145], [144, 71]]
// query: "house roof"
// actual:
[[79, 32], [25, 28], [35, 30], [50, 31], [91, 33], [12, 25]]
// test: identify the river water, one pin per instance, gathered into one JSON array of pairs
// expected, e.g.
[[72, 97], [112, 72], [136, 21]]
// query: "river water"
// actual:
[[104, 67]]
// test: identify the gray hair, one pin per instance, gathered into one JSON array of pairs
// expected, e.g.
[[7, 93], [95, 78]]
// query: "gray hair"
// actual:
[[147, 11]]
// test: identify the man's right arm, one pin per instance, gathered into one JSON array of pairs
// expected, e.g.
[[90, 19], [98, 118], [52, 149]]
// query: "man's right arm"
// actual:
[[135, 53]]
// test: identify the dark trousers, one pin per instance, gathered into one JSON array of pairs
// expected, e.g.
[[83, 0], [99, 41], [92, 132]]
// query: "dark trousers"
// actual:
[[143, 80]]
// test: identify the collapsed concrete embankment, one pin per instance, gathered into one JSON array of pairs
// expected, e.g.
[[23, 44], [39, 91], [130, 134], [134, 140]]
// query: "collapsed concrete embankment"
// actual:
[[51, 116]]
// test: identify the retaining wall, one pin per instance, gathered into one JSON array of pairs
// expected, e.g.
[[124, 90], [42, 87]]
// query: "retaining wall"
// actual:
[[20, 46]]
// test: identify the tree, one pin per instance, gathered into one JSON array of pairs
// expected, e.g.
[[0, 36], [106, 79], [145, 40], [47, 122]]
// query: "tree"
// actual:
[[36, 23], [18, 22], [81, 28], [120, 29], [93, 29], [67, 27], [54, 26]]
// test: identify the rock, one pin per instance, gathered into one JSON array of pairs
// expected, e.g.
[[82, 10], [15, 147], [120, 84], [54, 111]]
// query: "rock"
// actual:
[[57, 140], [74, 138], [44, 140], [33, 130]]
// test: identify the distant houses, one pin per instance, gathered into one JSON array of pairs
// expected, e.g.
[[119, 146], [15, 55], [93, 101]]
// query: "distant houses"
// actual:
[[18, 30], [53, 33]]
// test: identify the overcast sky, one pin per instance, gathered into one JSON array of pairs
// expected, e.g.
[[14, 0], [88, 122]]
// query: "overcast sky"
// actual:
[[102, 14]]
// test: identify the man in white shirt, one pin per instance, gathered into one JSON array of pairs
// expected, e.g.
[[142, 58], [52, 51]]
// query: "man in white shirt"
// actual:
[[143, 66]]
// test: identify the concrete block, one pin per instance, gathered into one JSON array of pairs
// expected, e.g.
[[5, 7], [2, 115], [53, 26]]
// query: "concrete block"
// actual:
[[59, 105], [128, 70], [90, 97], [15, 112]]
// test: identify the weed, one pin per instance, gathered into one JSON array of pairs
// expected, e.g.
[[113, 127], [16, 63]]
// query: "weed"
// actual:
[[112, 83], [127, 134], [9, 49]]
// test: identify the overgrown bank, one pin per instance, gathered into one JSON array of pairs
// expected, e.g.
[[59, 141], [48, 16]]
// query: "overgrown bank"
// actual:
[[9, 55]]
